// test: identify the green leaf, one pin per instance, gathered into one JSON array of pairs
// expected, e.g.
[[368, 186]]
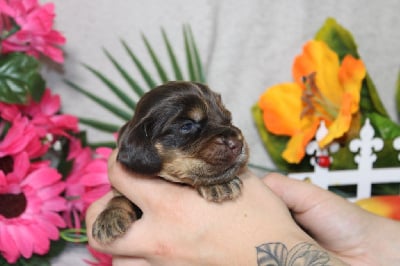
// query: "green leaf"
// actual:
[[196, 56], [172, 57], [189, 56], [342, 42], [102, 102], [20, 78], [161, 72], [131, 82], [338, 38], [99, 124], [117, 91], [109, 144], [384, 127], [145, 74]]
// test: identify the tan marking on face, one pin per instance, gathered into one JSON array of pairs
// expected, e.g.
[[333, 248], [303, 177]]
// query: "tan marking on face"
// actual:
[[196, 114]]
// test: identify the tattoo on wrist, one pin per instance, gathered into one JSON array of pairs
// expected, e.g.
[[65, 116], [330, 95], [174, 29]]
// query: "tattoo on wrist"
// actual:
[[304, 254]]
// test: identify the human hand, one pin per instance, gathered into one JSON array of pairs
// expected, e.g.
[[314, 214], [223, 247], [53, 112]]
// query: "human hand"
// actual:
[[178, 227], [354, 235]]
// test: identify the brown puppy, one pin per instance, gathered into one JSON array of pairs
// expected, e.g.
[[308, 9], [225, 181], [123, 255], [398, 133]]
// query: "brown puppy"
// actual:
[[181, 132]]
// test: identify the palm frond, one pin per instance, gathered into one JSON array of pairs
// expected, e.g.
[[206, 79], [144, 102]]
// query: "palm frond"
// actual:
[[100, 125], [160, 69], [114, 88], [189, 57], [196, 56], [195, 72], [174, 62], [114, 109], [145, 74]]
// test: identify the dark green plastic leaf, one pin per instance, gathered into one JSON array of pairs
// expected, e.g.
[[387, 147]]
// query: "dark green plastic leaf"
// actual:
[[384, 127], [20, 78], [342, 42]]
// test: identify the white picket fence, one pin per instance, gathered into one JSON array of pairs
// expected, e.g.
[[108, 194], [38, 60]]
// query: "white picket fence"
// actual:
[[364, 176]]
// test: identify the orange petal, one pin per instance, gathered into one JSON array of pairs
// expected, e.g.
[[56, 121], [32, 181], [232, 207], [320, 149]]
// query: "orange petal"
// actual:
[[342, 122], [281, 106], [387, 206], [296, 146], [351, 74], [318, 57]]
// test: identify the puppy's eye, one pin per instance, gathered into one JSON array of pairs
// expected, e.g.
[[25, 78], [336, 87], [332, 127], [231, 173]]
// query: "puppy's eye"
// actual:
[[189, 126]]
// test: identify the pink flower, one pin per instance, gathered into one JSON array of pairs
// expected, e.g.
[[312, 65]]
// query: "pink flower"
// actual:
[[35, 35], [102, 259], [33, 191], [22, 137], [44, 115], [87, 180]]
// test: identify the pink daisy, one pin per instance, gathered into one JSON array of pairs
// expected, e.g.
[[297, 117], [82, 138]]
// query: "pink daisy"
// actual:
[[30, 203], [44, 115], [36, 35], [86, 182], [22, 136]]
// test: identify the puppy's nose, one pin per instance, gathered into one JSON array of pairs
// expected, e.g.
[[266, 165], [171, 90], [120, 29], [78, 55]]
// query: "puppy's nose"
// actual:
[[233, 143]]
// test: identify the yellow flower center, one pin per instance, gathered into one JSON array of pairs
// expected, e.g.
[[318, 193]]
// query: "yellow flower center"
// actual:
[[314, 102]]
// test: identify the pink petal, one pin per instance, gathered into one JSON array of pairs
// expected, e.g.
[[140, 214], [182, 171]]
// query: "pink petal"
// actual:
[[42, 243], [50, 192], [7, 245], [41, 177], [22, 238]]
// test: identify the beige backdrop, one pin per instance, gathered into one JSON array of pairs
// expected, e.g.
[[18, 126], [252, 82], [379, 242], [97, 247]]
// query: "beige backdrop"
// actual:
[[246, 46]]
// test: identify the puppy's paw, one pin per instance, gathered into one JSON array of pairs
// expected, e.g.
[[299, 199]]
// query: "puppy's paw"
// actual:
[[111, 224], [221, 192]]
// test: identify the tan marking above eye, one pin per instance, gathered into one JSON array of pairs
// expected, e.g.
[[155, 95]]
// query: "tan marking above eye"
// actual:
[[196, 114]]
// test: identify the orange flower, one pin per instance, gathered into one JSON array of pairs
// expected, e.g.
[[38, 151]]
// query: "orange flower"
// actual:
[[323, 89], [387, 206]]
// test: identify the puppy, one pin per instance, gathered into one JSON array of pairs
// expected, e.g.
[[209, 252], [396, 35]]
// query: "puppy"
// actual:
[[181, 132]]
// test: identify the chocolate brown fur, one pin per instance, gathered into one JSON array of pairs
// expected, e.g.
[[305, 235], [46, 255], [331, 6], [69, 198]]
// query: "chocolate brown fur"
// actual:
[[181, 132]]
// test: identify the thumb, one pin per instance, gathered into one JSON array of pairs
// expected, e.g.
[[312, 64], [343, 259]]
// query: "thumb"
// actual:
[[299, 196]]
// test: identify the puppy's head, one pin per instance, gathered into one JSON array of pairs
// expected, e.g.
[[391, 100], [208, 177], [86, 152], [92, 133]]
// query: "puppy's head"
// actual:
[[182, 132]]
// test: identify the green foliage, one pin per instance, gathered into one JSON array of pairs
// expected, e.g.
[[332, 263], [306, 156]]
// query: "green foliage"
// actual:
[[20, 78], [194, 70]]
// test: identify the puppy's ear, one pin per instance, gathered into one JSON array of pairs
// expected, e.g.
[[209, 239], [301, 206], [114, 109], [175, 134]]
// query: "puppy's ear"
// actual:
[[136, 151]]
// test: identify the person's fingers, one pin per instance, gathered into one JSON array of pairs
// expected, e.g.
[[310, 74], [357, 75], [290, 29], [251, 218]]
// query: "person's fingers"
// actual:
[[329, 218], [138, 187], [138, 241], [129, 261], [298, 195], [94, 210]]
